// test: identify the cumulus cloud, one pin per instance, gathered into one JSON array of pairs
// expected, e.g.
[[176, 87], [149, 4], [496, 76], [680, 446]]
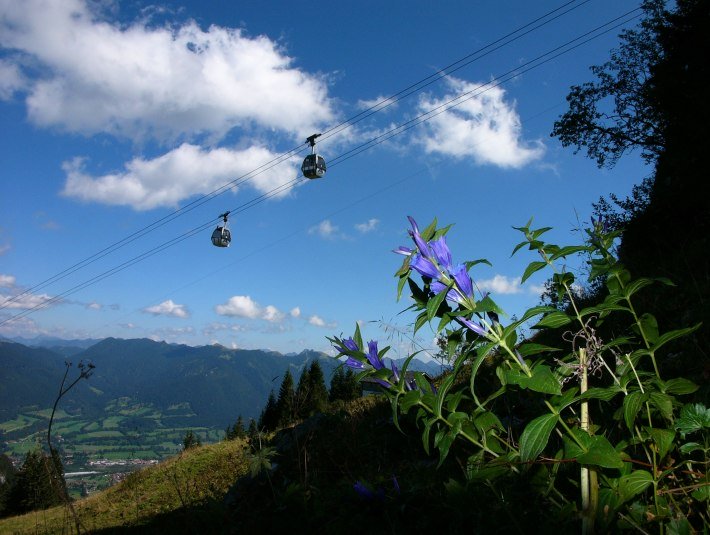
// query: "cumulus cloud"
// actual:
[[380, 103], [139, 80], [26, 301], [295, 312], [324, 229], [7, 281], [168, 308], [367, 226], [483, 127], [243, 306], [500, 284], [94, 306], [168, 179], [11, 79], [317, 321]]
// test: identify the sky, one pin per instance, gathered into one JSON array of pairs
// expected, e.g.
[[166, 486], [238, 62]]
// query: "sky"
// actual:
[[116, 114]]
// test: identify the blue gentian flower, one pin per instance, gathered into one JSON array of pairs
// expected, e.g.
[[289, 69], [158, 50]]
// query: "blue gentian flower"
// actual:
[[463, 280], [406, 251], [421, 244], [442, 253], [424, 267], [475, 327], [373, 357], [354, 364], [347, 345]]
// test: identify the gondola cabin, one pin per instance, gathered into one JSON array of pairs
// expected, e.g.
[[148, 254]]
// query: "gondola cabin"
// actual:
[[221, 237], [313, 166]]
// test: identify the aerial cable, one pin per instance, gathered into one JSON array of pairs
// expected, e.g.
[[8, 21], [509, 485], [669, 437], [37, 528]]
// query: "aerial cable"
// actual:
[[532, 64], [415, 87], [451, 68]]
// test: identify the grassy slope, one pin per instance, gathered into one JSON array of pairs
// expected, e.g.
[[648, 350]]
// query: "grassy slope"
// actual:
[[196, 479], [310, 489]]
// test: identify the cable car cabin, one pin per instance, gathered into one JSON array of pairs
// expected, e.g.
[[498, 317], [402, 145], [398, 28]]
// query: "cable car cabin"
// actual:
[[313, 166], [221, 237]]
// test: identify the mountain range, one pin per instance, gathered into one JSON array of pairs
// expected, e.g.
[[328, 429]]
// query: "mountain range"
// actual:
[[218, 383]]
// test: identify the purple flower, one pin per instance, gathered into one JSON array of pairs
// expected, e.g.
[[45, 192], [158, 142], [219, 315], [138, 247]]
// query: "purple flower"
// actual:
[[406, 251], [438, 287], [442, 253], [373, 357], [395, 372], [354, 363], [363, 491], [475, 327], [347, 345], [424, 266], [463, 280], [421, 244]]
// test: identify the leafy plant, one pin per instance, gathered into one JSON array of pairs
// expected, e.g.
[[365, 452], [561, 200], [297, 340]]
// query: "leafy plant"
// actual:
[[607, 438]]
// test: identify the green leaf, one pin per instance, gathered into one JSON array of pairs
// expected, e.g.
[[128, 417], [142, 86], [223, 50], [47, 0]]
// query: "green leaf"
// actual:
[[649, 326], [532, 268], [409, 400], [635, 286], [664, 404], [433, 305], [530, 348], [428, 233], [601, 453], [690, 447], [535, 311], [672, 335], [633, 484], [663, 438], [544, 381], [536, 435], [443, 440], [569, 250], [693, 417], [420, 321], [702, 494], [632, 404], [553, 320], [679, 386]]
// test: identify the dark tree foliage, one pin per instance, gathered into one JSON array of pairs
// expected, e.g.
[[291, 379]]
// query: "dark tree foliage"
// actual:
[[344, 385], [252, 431], [37, 485], [269, 418], [7, 480], [317, 399], [652, 96], [190, 440], [235, 431], [616, 113], [285, 404]]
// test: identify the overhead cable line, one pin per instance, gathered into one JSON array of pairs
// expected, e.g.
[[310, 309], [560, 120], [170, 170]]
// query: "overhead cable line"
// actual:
[[452, 103], [344, 125]]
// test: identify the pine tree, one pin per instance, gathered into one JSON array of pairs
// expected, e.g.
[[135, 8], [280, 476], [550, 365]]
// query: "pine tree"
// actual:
[[37, 484], [269, 419], [351, 386], [191, 440], [336, 385], [318, 392], [252, 431], [302, 395], [285, 404]]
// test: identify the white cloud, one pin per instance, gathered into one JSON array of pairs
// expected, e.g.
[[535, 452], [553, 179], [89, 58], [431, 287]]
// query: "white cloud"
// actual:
[[295, 312], [500, 284], [324, 229], [317, 321], [380, 103], [484, 127], [272, 314], [168, 308], [243, 306], [11, 79], [25, 301], [175, 176], [94, 306], [537, 289], [7, 281], [139, 80], [368, 226]]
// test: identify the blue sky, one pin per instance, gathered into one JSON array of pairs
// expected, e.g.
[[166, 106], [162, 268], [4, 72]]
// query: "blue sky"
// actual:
[[116, 113]]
